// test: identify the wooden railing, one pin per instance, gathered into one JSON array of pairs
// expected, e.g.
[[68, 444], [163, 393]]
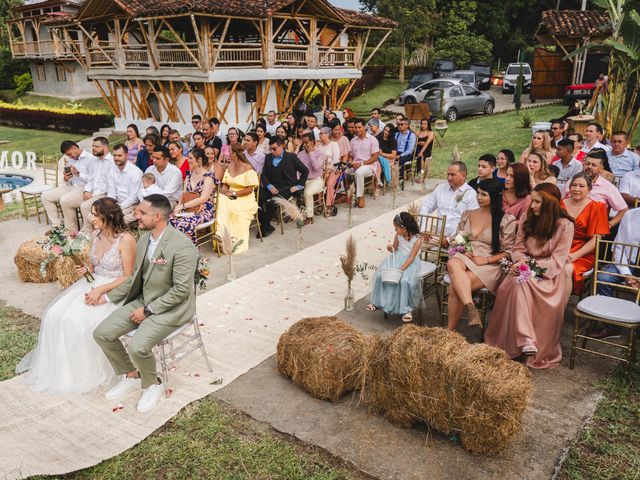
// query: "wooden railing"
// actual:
[[238, 55], [136, 56], [34, 49], [174, 55], [69, 48], [291, 55], [102, 54], [336, 56]]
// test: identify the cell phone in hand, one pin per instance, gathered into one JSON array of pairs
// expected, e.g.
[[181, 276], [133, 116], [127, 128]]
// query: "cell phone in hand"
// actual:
[[67, 170]]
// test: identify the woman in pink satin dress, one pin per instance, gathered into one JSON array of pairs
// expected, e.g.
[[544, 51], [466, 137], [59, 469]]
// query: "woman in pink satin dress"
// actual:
[[527, 317]]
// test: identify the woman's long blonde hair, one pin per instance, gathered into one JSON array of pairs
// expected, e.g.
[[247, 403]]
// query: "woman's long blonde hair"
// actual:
[[546, 142], [544, 165]]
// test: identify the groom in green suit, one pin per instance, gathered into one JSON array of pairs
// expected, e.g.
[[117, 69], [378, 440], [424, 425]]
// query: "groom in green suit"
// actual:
[[158, 299]]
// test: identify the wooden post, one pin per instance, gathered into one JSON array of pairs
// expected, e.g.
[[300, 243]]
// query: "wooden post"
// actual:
[[270, 57], [313, 40]]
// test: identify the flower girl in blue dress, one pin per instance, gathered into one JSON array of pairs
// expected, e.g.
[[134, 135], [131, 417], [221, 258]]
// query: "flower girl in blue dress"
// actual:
[[405, 295]]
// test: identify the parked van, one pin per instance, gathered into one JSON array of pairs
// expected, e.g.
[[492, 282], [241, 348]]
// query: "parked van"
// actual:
[[510, 79]]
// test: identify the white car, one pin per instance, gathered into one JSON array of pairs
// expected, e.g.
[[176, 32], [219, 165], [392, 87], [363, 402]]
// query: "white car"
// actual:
[[416, 95], [510, 79]]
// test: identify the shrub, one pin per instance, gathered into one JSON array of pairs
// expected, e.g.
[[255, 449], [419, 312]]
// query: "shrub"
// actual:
[[23, 83], [464, 49], [10, 68], [526, 119], [59, 119]]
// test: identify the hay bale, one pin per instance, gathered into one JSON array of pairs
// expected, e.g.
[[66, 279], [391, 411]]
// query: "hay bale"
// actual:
[[324, 356], [28, 259], [434, 376], [65, 271]]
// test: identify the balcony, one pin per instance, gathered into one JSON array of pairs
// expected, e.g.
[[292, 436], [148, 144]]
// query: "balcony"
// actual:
[[41, 49], [237, 55]]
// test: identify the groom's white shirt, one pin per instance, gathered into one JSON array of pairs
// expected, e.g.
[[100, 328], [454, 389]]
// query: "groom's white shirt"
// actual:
[[153, 243]]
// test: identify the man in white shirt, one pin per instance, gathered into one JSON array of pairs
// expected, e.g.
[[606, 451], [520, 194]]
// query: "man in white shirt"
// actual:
[[591, 134], [272, 122], [124, 182], [312, 124], [452, 198], [69, 195], [255, 156], [168, 176], [96, 187], [622, 160], [567, 165], [630, 188]]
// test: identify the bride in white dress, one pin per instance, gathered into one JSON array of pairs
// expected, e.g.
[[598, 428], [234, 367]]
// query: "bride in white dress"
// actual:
[[66, 359]]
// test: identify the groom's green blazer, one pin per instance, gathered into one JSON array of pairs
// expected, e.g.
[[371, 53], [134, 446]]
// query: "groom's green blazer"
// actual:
[[166, 284]]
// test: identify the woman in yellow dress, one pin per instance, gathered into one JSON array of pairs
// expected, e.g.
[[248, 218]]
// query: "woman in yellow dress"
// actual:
[[237, 203]]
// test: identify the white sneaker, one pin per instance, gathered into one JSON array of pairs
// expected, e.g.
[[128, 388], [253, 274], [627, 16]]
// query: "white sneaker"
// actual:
[[124, 386], [150, 397]]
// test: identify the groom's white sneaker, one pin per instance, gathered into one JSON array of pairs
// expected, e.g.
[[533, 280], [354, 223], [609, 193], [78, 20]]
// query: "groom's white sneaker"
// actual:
[[150, 397], [124, 386]]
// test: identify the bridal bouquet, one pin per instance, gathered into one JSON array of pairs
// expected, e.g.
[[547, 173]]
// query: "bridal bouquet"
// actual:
[[460, 243], [202, 273], [529, 270], [64, 243]]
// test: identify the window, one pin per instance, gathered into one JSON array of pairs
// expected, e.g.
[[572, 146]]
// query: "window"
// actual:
[[468, 90], [61, 73], [455, 92], [40, 73]]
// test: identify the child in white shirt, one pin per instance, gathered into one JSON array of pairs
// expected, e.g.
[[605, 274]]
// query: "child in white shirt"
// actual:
[[149, 186]]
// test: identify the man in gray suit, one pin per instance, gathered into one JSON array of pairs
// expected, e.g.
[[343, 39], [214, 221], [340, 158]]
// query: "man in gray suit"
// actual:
[[158, 299]]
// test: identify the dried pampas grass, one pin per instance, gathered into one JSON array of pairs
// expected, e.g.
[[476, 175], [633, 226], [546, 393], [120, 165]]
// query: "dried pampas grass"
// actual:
[[414, 208], [324, 355], [455, 154], [289, 209], [348, 261]]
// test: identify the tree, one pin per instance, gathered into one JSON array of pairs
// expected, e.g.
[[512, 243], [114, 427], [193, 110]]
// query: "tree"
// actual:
[[6, 12], [621, 95], [416, 24]]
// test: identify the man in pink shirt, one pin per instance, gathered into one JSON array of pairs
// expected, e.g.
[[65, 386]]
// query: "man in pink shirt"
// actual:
[[364, 157], [602, 190], [314, 159]]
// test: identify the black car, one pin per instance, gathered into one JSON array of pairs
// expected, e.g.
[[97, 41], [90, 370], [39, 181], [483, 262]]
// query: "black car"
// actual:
[[419, 78], [483, 72], [443, 68]]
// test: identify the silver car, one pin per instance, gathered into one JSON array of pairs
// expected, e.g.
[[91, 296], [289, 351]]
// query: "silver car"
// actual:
[[415, 95], [458, 101]]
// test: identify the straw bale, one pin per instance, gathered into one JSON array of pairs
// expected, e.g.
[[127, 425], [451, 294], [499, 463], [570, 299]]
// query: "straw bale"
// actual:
[[65, 271], [324, 355], [434, 376], [28, 258]]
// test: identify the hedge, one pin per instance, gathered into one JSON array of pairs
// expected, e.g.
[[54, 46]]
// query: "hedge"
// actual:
[[58, 119]]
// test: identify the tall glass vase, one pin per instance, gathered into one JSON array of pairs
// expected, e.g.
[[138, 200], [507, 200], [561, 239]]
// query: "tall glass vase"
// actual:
[[349, 299], [231, 276]]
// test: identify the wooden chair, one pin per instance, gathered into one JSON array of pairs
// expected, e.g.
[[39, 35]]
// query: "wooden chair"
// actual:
[[176, 347], [411, 165], [256, 220], [205, 231], [431, 262], [32, 194], [611, 311]]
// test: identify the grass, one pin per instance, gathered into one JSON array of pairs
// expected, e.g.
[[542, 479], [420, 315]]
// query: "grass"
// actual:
[[478, 135], [608, 447], [91, 103], [387, 89], [206, 439], [41, 142]]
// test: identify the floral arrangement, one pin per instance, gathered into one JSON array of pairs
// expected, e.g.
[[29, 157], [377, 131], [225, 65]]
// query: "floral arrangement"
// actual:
[[460, 243], [295, 214], [529, 270], [229, 248], [202, 273], [64, 243]]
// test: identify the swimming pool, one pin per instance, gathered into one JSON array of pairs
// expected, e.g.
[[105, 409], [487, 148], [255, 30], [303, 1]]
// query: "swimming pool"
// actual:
[[12, 181]]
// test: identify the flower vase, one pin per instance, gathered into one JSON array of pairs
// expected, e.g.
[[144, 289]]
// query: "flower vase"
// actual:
[[349, 300], [231, 276], [300, 239]]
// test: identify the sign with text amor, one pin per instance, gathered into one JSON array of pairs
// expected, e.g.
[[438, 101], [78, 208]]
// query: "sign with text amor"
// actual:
[[18, 160]]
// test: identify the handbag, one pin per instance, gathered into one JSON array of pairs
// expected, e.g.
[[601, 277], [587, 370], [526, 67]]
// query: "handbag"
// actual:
[[188, 196]]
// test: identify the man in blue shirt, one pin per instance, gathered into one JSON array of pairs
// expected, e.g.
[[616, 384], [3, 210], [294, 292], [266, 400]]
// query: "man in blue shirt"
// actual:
[[621, 159], [406, 145], [283, 175]]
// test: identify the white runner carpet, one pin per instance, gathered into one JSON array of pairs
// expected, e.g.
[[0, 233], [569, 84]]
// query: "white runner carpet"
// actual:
[[41, 434]]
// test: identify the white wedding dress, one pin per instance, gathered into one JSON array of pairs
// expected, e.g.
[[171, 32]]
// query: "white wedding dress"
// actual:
[[66, 359]]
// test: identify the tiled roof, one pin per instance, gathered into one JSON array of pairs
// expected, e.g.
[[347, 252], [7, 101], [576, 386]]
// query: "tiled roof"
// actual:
[[575, 23], [365, 20]]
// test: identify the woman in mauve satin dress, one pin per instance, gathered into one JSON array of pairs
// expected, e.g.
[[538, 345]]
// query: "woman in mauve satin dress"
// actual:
[[527, 317]]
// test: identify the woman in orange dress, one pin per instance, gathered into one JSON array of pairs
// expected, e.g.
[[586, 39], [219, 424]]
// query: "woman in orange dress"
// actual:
[[591, 222], [528, 315]]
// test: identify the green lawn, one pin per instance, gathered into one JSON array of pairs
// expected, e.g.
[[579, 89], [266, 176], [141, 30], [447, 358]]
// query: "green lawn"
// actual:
[[91, 103], [387, 89], [478, 135], [40, 141]]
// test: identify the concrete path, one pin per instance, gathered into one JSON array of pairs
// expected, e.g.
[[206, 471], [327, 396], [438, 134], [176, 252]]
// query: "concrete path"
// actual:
[[563, 400]]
